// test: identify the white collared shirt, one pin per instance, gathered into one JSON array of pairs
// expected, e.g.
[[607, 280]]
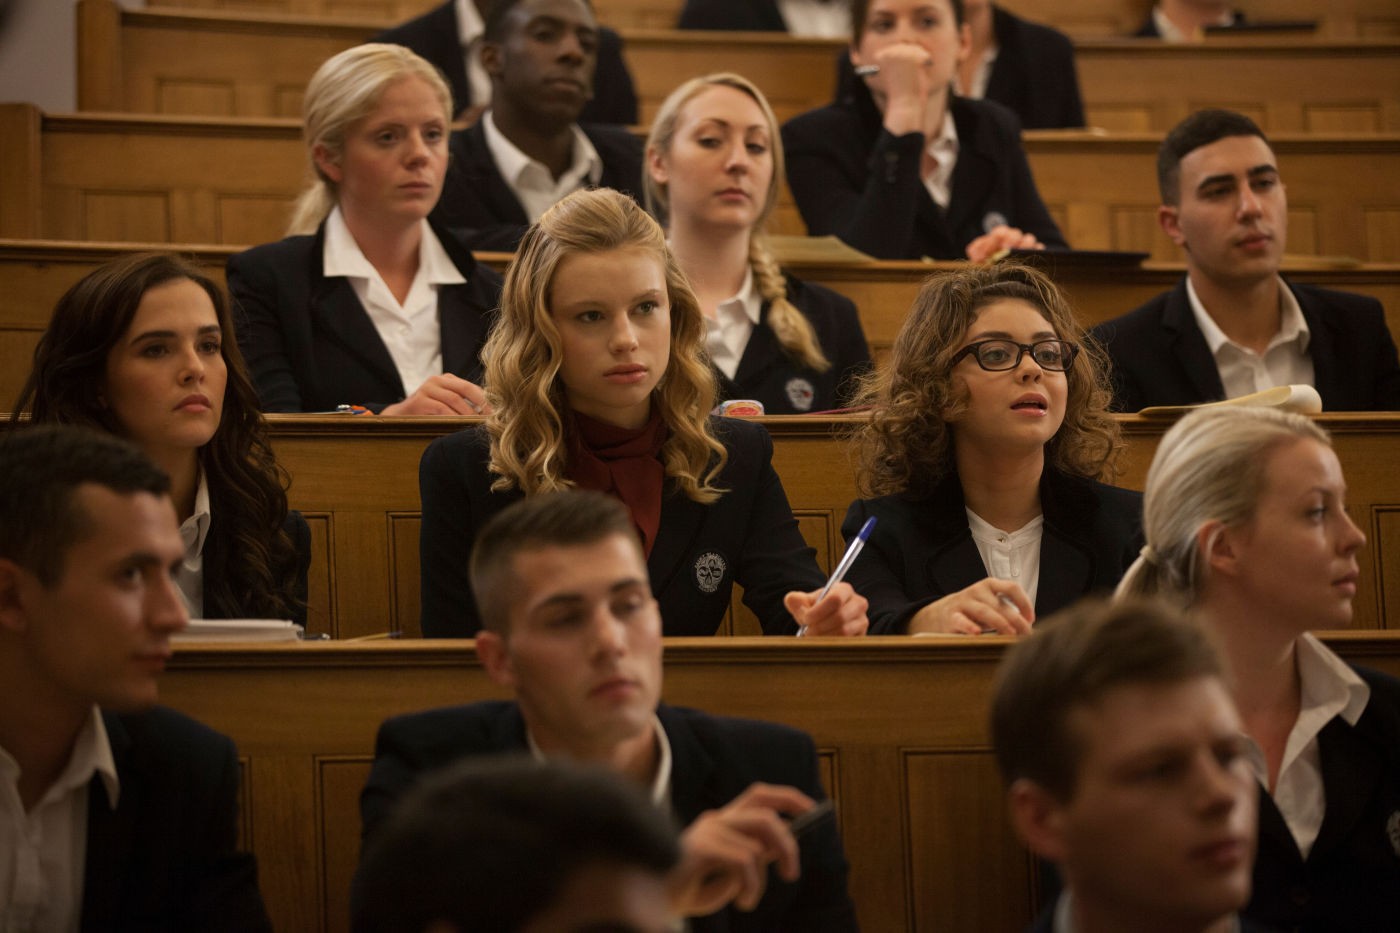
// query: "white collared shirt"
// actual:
[[470, 26], [1010, 555], [944, 150], [43, 852], [1242, 371], [1168, 31], [823, 19], [660, 783], [410, 330], [1329, 688], [534, 186], [728, 332], [189, 576]]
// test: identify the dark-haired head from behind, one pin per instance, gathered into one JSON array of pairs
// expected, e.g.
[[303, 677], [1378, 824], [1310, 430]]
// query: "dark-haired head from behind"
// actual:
[[513, 845], [1199, 129], [558, 519], [41, 470]]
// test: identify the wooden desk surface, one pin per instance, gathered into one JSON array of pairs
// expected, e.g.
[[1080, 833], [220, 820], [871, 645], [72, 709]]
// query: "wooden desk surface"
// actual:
[[899, 723]]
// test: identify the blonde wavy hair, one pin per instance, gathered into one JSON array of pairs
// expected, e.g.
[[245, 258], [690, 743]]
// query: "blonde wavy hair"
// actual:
[[523, 353], [790, 326], [1210, 466], [906, 445], [344, 90]]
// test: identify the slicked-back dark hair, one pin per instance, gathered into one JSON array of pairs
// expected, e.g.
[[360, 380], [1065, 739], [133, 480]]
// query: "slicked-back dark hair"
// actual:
[[41, 468], [1200, 129], [859, 9], [1070, 661], [488, 844], [566, 518], [254, 565]]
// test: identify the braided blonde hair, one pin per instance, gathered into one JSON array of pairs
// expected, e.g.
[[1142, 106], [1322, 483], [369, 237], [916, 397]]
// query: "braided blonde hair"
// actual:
[[790, 326]]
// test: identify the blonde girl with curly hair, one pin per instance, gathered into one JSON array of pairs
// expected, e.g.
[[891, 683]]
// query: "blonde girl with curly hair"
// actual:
[[597, 378], [988, 436]]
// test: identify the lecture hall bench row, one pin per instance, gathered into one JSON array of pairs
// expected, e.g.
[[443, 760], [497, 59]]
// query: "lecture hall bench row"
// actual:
[[197, 63], [356, 482], [134, 178], [899, 724], [34, 273], [1080, 18]]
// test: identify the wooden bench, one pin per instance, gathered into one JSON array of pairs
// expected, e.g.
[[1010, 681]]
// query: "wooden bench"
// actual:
[[197, 63], [228, 180], [899, 723], [356, 481], [34, 273], [1337, 18]]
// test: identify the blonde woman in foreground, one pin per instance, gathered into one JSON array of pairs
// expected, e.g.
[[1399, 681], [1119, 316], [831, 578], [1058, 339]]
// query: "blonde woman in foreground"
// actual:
[[1246, 524]]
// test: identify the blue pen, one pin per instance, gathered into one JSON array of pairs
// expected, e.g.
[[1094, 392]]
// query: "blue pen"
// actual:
[[847, 559]]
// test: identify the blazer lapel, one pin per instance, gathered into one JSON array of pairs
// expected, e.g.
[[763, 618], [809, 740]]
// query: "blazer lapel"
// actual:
[[681, 518], [974, 173], [1065, 563], [761, 352], [692, 790], [482, 181], [463, 325], [1327, 377], [338, 317], [1351, 771], [1189, 346], [957, 562], [110, 835]]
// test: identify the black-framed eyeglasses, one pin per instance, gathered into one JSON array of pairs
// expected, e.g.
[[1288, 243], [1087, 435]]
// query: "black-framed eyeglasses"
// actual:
[[997, 355]]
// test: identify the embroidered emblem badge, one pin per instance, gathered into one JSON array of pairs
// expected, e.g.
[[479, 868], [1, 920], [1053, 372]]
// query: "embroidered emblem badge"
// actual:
[[800, 393], [709, 571]]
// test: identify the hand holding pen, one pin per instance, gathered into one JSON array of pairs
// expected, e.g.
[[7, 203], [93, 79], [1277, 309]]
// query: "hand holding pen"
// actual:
[[843, 613]]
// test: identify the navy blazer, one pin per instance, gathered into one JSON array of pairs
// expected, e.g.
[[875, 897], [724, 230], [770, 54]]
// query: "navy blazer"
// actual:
[[748, 536], [1045, 923], [488, 215], [742, 15], [1351, 878], [713, 760], [921, 549], [766, 372], [851, 178], [165, 859], [1034, 73], [229, 606], [310, 344], [1160, 357], [436, 36]]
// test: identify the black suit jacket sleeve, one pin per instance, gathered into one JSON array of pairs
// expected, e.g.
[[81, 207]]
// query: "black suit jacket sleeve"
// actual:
[[166, 859]]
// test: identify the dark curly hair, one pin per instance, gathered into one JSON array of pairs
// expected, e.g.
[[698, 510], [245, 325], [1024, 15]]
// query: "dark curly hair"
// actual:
[[254, 566], [906, 446]]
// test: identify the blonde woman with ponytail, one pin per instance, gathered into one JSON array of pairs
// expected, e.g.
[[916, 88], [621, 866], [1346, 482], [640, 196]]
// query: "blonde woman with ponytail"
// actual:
[[714, 158], [597, 378], [367, 303], [1247, 528]]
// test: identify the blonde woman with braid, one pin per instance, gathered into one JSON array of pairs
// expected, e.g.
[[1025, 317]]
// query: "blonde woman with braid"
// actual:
[[1247, 527], [714, 158], [597, 378]]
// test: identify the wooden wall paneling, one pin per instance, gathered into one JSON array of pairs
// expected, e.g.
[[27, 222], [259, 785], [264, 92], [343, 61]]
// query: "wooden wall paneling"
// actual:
[[1384, 543], [99, 37], [21, 165], [900, 723]]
